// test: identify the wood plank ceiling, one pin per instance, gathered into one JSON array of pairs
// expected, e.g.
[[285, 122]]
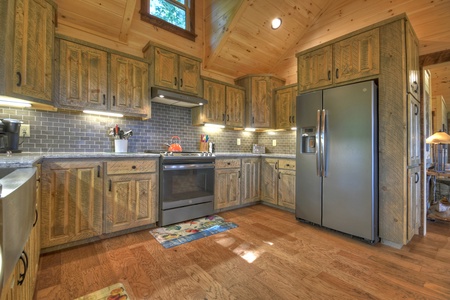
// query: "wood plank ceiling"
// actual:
[[237, 38]]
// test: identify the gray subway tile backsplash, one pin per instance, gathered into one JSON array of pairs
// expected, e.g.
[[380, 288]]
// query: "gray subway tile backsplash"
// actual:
[[68, 131]]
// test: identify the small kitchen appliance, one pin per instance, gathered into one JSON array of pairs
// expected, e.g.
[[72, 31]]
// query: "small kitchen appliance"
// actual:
[[11, 130]]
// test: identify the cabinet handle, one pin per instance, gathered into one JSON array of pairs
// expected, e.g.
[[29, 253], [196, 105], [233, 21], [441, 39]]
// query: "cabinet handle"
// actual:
[[228, 117], [36, 216], [417, 109], [253, 120], [293, 119], [415, 86], [287, 165], [223, 117], [417, 177], [337, 73], [110, 185], [114, 100], [228, 163], [104, 99], [329, 75], [175, 80], [19, 79], [181, 82], [239, 174], [24, 258], [279, 175], [98, 171], [276, 166], [290, 119]]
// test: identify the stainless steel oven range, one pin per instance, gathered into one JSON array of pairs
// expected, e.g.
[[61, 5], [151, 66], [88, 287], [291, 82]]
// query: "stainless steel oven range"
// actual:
[[186, 186]]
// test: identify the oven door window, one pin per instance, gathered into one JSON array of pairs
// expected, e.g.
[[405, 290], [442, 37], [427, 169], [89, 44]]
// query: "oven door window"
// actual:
[[183, 187]]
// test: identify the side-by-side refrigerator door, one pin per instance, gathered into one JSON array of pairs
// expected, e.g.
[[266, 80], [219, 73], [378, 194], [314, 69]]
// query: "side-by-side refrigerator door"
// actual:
[[308, 181]]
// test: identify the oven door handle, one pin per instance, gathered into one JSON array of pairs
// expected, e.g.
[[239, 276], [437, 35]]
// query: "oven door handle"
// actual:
[[187, 167]]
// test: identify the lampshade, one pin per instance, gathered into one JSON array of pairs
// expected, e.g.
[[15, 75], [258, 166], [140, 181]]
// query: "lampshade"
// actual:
[[439, 137]]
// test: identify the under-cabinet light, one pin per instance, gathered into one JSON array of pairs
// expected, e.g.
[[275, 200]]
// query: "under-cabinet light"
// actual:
[[102, 113], [249, 129], [214, 125], [13, 102], [293, 128]]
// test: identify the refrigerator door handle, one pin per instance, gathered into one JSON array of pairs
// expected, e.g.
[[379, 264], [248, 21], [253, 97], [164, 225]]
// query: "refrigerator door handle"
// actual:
[[318, 136], [323, 144]]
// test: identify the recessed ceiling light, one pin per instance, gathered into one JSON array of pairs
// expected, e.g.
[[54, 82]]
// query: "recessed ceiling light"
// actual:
[[276, 23]]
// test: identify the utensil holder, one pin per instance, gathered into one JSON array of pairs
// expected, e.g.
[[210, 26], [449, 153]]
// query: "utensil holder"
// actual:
[[121, 145], [203, 147]]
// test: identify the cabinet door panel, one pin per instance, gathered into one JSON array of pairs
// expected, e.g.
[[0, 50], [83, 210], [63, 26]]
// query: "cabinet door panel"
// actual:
[[33, 49], [129, 85], [261, 102], [83, 76], [283, 106], [413, 131], [189, 75], [286, 188], [314, 69], [269, 180], [166, 68], [73, 206], [251, 178], [227, 188], [357, 57], [214, 111], [235, 107], [146, 199], [412, 62]]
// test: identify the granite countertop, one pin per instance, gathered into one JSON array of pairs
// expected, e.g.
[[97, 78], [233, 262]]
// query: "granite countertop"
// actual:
[[26, 160]]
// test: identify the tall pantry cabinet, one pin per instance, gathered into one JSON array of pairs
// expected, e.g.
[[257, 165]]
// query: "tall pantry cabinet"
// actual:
[[381, 52]]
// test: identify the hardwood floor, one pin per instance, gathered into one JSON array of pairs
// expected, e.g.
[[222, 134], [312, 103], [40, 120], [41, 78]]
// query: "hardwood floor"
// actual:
[[269, 256]]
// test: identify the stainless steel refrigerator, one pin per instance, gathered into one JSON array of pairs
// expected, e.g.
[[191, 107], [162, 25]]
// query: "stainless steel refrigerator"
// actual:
[[337, 165]]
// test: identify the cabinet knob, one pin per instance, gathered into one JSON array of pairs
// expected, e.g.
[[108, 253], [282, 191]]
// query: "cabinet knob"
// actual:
[[133, 167]]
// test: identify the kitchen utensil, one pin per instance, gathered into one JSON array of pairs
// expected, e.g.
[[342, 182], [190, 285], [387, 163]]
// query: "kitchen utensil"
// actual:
[[175, 144]]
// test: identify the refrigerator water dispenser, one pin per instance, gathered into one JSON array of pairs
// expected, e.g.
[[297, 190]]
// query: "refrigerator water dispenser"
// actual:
[[308, 139]]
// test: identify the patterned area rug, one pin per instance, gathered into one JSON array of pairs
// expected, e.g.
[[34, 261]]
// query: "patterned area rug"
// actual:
[[112, 292], [178, 234]]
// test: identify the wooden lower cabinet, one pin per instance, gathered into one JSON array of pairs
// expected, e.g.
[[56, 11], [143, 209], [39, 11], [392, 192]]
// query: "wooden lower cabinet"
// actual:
[[131, 194], [278, 182], [227, 184], [73, 201], [251, 178]]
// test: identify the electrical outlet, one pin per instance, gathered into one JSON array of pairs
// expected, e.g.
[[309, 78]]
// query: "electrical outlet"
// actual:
[[25, 130], [274, 143], [238, 141]]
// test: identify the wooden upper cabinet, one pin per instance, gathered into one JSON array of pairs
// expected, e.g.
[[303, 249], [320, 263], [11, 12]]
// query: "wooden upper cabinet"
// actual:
[[214, 111], [33, 49], [349, 59], [129, 85], [226, 105], [166, 68], [259, 107], [83, 76], [412, 62], [314, 69], [235, 107], [173, 70], [356, 57], [189, 75], [285, 107]]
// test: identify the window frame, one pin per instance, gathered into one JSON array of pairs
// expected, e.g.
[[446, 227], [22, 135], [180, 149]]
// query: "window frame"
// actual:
[[190, 20]]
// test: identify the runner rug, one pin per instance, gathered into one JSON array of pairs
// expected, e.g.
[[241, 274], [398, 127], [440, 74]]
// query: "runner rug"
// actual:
[[181, 233], [112, 292]]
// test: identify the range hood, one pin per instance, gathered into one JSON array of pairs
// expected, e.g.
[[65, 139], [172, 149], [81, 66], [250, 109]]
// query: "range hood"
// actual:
[[174, 98]]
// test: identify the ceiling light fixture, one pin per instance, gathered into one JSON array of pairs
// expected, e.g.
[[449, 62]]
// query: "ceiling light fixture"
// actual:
[[102, 113], [276, 23]]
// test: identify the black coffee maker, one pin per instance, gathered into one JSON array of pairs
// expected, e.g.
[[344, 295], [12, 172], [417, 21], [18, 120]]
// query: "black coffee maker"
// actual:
[[9, 135]]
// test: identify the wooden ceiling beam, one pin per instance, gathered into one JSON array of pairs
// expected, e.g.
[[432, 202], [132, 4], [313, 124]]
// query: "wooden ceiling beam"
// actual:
[[126, 21]]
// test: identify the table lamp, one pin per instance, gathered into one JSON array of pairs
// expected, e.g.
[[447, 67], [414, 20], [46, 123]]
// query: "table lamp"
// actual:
[[439, 140]]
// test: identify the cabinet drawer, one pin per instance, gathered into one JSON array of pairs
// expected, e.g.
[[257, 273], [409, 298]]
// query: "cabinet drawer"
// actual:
[[131, 166], [287, 164], [228, 163]]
